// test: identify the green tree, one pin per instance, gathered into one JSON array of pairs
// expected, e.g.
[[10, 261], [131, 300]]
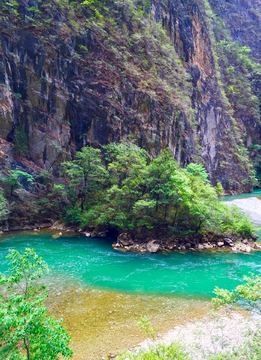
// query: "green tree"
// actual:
[[202, 200], [198, 170], [26, 332], [86, 174], [125, 161]]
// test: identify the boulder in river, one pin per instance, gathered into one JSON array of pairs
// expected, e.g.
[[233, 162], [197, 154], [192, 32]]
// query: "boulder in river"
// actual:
[[152, 246], [220, 244], [125, 239]]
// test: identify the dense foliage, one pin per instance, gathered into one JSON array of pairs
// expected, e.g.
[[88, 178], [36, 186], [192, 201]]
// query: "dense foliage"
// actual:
[[26, 332], [119, 187]]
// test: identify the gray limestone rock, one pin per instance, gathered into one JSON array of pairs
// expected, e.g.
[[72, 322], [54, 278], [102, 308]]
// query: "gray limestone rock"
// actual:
[[152, 246]]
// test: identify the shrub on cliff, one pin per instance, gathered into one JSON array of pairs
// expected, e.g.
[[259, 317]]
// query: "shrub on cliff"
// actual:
[[118, 187], [4, 207]]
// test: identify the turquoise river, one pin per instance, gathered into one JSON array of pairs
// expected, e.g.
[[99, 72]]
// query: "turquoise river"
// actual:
[[101, 293]]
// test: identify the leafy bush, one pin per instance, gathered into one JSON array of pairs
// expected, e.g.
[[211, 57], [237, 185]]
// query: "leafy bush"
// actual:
[[4, 207], [26, 332], [145, 326], [21, 147], [159, 352], [248, 294], [15, 180]]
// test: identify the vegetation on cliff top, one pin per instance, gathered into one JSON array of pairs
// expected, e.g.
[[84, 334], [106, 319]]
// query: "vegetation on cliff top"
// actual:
[[119, 187]]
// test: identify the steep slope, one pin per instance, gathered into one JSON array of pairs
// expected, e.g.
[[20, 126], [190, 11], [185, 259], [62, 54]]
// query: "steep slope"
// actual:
[[77, 73]]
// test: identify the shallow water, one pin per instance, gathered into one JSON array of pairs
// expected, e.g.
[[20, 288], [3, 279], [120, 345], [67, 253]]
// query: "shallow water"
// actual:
[[101, 293]]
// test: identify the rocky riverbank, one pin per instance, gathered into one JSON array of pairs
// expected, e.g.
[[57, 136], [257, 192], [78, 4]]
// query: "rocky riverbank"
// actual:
[[188, 242], [143, 244]]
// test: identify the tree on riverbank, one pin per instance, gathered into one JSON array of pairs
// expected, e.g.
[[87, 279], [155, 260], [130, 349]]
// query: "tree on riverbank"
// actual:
[[26, 331], [247, 295], [119, 187]]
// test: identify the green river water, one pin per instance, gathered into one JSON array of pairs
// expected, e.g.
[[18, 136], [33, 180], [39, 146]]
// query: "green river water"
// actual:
[[101, 293]]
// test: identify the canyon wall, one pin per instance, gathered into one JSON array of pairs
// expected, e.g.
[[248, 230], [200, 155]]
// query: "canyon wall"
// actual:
[[79, 73]]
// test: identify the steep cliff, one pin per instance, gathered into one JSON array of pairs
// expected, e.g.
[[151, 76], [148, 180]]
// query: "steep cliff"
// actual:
[[167, 72]]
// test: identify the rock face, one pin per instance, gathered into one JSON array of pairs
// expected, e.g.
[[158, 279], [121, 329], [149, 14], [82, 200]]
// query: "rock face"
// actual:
[[66, 83]]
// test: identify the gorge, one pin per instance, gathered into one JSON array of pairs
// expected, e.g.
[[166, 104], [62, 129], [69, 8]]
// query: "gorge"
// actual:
[[130, 119], [178, 74]]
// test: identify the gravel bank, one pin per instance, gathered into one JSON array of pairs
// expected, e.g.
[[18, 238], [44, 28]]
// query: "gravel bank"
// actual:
[[210, 335]]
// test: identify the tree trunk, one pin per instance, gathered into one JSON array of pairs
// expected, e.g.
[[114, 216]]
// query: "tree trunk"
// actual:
[[199, 226], [27, 349]]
